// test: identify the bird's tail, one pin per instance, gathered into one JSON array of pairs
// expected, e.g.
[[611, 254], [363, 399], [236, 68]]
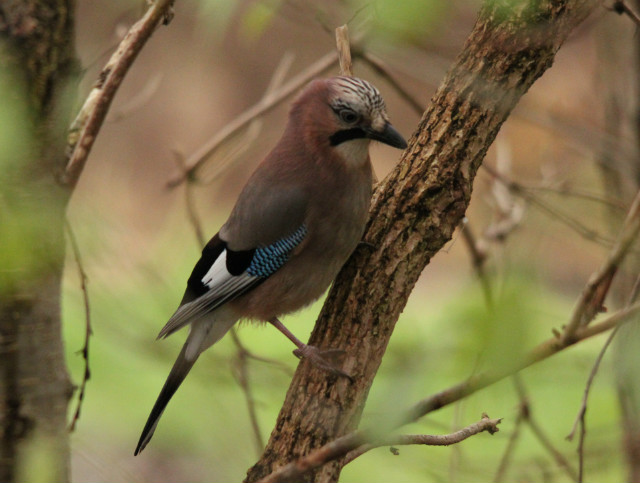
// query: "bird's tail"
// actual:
[[202, 334], [179, 371]]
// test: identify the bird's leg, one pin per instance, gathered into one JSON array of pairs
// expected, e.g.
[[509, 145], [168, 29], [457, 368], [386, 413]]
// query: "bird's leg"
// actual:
[[318, 357]]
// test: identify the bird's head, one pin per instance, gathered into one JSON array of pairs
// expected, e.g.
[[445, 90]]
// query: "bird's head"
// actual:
[[345, 113], [360, 113]]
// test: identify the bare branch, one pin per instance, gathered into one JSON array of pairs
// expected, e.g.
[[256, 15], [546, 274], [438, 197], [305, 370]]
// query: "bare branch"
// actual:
[[344, 51], [87, 124], [239, 146], [478, 259], [580, 420], [343, 445], [383, 70], [513, 439], [138, 101], [593, 295], [197, 159], [524, 192], [485, 424], [84, 280], [241, 374], [543, 439]]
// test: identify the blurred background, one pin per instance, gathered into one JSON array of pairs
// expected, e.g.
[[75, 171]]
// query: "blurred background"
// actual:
[[216, 59]]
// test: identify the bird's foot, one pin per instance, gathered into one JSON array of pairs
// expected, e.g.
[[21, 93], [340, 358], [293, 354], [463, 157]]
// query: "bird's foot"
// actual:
[[325, 359]]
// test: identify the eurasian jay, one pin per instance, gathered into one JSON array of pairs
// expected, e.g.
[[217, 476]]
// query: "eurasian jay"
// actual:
[[297, 220]]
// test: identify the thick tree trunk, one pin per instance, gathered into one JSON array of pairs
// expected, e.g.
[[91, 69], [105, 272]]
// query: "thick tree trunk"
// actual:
[[36, 64], [414, 213]]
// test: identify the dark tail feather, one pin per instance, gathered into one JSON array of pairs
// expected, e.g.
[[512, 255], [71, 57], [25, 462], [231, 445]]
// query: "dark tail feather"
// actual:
[[178, 372]]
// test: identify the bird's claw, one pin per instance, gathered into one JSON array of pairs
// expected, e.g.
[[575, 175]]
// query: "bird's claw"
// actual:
[[323, 358]]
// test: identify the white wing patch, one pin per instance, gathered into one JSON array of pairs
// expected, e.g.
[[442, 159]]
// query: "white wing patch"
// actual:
[[222, 287], [218, 273]]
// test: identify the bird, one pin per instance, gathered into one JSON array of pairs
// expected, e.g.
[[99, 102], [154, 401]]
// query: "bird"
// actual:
[[295, 223]]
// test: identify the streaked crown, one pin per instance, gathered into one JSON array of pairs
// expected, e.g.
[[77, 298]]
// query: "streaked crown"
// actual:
[[359, 96]]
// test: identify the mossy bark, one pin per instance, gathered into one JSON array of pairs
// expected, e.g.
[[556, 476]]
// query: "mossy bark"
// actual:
[[37, 62]]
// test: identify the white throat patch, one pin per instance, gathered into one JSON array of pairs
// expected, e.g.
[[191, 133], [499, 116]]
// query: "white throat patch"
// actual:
[[355, 152]]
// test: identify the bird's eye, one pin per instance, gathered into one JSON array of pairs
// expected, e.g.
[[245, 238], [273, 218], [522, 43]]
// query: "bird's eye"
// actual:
[[348, 116]]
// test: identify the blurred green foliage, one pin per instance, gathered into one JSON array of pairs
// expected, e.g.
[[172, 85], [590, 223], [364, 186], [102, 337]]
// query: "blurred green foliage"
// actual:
[[445, 335], [24, 213], [431, 350], [409, 20]]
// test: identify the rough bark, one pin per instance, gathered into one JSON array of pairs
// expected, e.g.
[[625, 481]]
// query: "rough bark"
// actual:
[[413, 214], [36, 55]]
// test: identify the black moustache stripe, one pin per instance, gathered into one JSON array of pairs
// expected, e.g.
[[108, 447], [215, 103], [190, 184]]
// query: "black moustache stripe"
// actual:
[[346, 135]]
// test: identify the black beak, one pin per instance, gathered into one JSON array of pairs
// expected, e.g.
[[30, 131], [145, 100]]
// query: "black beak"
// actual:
[[389, 136]]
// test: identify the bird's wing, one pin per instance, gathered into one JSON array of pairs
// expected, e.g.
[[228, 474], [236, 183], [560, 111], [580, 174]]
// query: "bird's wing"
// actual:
[[272, 205], [223, 274]]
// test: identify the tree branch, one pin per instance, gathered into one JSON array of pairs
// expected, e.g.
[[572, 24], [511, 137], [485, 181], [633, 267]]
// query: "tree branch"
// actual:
[[342, 446], [414, 212], [197, 159], [592, 298], [84, 129], [485, 424]]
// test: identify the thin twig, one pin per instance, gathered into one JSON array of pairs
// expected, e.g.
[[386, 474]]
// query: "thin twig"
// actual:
[[192, 214], [87, 124], [197, 159], [84, 280], [343, 445], [582, 412], [511, 445], [241, 374], [383, 70], [616, 204], [621, 7], [585, 396], [485, 424], [592, 298], [239, 146], [138, 101], [344, 51], [535, 201], [539, 433]]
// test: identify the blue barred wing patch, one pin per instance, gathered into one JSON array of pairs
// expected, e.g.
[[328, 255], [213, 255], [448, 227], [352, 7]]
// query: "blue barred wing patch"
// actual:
[[269, 259], [223, 286]]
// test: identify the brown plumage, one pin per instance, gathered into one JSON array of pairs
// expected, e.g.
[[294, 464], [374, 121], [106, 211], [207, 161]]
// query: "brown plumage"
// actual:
[[296, 221]]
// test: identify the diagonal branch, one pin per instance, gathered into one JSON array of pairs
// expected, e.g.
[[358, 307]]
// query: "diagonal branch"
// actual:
[[266, 104], [340, 447], [414, 212], [87, 124], [592, 298]]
